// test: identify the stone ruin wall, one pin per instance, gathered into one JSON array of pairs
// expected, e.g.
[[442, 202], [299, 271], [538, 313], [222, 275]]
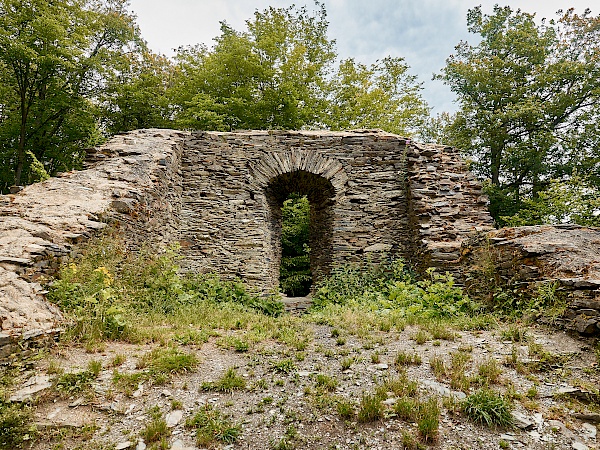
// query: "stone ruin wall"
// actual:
[[371, 193], [218, 195], [132, 182], [564, 257]]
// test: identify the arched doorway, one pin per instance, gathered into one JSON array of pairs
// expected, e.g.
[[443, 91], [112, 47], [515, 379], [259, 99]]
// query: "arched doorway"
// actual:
[[320, 194]]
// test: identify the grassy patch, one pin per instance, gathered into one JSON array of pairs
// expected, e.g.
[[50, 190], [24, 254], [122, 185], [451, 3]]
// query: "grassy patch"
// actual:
[[72, 383], [284, 366], [407, 359], [156, 429], [109, 293], [229, 382], [163, 362], [400, 386], [370, 408], [212, 426], [326, 382], [488, 372], [15, 425]]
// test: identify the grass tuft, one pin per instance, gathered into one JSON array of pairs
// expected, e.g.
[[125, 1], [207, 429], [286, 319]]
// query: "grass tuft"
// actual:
[[370, 408], [230, 382], [407, 359], [488, 407], [212, 426]]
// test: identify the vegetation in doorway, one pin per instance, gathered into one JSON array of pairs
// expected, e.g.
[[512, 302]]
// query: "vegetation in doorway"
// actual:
[[295, 277]]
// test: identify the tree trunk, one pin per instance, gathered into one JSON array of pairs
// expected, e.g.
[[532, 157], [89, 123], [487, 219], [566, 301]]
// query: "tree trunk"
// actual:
[[21, 148]]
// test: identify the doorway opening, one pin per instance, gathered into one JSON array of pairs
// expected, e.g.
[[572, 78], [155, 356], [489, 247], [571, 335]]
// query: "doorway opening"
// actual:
[[301, 211], [295, 276]]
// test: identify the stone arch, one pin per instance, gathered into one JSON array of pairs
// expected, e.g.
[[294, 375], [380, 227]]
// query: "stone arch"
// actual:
[[271, 165], [322, 180]]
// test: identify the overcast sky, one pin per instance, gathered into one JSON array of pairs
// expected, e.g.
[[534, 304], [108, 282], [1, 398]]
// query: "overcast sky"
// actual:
[[423, 32]]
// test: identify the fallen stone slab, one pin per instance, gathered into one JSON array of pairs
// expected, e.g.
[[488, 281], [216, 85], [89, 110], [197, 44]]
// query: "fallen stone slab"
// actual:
[[35, 385]]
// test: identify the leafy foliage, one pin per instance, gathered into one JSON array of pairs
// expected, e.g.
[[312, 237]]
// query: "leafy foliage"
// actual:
[[270, 76], [52, 58], [295, 275], [576, 199], [390, 286], [104, 289], [14, 425], [136, 94], [382, 96], [528, 95]]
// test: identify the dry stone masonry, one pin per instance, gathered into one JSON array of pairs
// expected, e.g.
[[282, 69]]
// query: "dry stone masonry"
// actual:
[[132, 179], [220, 194], [370, 193]]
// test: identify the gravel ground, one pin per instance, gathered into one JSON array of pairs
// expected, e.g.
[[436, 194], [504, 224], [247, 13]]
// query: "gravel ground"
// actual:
[[282, 407]]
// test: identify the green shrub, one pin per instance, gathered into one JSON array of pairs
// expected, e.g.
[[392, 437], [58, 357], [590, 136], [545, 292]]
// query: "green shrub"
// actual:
[[104, 291], [14, 425], [488, 407], [389, 286], [362, 282]]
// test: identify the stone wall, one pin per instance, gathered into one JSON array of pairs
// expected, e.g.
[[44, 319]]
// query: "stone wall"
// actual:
[[446, 206], [371, 193], [220, 194]]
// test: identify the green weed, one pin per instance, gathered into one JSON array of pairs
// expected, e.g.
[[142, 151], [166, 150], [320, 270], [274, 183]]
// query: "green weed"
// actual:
[[515, 333], [370, 408], [75, 382], [345, 409], [15, 425], [156, 430], [326, 382], [346, 363], [284, 366], [230, 382], [407, 359], [168, 361], [489, 371]]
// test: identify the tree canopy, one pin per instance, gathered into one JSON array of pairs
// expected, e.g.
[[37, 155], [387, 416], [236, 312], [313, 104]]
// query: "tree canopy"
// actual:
[[528, 95], [75, 72], [53, 56]]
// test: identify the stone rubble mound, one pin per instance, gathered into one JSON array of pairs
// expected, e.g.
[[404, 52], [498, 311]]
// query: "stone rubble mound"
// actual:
[[128, 180], [566, 255]]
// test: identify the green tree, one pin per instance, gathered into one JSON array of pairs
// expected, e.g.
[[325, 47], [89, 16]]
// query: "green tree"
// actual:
[[382, 96], [52, 58], [529, 96], [270, 76], [135, 96], [575, 199]]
